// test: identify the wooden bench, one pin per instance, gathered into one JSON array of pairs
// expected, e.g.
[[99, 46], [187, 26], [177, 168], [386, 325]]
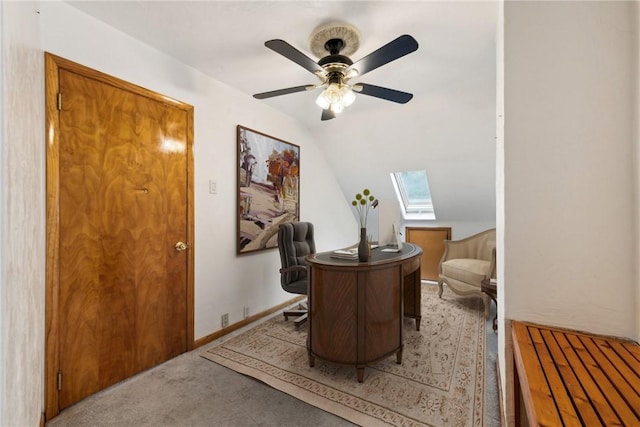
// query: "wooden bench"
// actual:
[[567, 378]]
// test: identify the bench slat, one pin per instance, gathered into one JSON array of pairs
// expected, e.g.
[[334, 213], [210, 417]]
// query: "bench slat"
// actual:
[[573, 378], [535, 389], [558, 391], [592, 390], [623, 352], [623, 389], [619, 363], [632, 348], [611, 394], [587, 414]]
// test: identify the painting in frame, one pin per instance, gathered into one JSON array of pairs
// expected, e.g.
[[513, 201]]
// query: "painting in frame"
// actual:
[[268, 188]]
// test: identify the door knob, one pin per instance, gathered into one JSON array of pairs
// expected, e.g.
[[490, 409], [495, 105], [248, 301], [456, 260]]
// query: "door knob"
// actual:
[[181, 246]]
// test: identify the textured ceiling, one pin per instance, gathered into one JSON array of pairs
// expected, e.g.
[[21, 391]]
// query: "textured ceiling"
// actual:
[[448, 127], [225, 39]]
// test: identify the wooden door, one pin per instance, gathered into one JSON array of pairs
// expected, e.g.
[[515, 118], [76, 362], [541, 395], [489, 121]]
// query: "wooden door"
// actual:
[[122, 187], [431, 240]]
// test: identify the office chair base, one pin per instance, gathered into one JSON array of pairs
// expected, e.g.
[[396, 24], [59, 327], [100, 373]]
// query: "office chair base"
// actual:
[[300, 320], [301, 314]]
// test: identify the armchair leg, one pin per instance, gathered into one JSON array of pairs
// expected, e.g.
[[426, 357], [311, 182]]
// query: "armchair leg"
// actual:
[[487, 302], [440, 288]]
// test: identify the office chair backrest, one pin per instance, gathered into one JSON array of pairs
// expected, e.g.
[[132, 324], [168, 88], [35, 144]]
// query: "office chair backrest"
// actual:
[[295, 241]]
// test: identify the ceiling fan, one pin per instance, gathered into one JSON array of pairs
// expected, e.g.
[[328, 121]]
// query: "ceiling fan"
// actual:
[[336, 69]]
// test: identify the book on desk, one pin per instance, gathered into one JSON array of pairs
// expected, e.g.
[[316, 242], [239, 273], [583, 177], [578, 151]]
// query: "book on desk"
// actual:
[[345, 253], [350, 253]]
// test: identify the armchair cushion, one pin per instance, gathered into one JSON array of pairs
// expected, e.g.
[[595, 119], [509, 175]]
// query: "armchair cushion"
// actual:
[[467, 262], [466, 270]]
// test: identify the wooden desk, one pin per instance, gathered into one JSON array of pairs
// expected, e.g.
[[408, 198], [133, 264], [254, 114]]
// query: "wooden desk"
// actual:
[[356, 308]]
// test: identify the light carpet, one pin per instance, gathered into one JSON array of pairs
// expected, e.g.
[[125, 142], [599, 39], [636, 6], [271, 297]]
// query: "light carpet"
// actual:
[[439, 383]]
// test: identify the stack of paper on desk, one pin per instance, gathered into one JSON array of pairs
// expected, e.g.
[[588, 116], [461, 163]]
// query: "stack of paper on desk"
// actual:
[[345, 253]]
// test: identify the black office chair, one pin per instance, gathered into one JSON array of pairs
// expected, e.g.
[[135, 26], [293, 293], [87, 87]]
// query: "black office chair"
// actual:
[[295, 241]]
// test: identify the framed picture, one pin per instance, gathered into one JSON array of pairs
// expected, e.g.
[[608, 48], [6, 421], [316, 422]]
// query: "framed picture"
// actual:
[[268, 188]]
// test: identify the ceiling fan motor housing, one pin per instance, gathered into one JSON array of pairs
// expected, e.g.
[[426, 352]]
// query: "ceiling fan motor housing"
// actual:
[[335, 64], [336, 69], [335, 59]]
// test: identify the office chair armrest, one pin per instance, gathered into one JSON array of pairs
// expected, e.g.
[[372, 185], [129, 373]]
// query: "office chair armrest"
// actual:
[[293, 268]]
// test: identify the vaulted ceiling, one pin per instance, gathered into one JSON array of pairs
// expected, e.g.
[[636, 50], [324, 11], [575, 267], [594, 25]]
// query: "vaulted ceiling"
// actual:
[[448, 128]]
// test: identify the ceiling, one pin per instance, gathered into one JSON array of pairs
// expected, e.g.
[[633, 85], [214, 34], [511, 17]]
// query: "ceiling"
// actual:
[[448, 127]]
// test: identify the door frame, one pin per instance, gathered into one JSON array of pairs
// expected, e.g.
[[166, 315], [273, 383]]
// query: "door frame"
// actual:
[[53, 64]]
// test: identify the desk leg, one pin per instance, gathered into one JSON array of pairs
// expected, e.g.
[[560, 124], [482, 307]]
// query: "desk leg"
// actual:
[[412, 296], [360, 373], [399, 357], [312, 360]]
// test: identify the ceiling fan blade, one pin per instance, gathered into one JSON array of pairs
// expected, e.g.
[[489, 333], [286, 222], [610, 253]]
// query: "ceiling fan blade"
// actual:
[[327, 115], [393, 50], [286, 91], [293, 54], [385, 93]]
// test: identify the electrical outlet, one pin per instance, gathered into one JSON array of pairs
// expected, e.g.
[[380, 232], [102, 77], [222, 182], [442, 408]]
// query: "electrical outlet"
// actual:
[[225, 320], [245, 311]]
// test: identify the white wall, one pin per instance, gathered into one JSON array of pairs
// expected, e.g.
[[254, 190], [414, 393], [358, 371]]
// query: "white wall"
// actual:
[[569, 134], [570, 258], [505, 363], [447, 129], [636, 138], [388, 212], [22, 217], [569, 91], [459, 229], [224, 282]]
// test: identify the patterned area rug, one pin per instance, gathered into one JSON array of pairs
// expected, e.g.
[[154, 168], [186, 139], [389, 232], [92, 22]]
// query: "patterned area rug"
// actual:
[[439, 383]]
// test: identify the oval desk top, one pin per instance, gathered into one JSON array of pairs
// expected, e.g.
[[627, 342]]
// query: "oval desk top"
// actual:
[[378, 258]]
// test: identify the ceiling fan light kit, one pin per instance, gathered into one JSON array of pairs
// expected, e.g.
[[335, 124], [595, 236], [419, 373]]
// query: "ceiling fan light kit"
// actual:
[[336, 97], [336, 69]]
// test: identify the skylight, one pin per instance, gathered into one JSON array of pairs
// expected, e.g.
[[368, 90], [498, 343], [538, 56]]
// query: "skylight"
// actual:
[[414, 195]]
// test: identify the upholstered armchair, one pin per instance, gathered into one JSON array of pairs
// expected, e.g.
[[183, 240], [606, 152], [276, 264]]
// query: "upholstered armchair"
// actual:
[[295, 242], [466, 263]]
